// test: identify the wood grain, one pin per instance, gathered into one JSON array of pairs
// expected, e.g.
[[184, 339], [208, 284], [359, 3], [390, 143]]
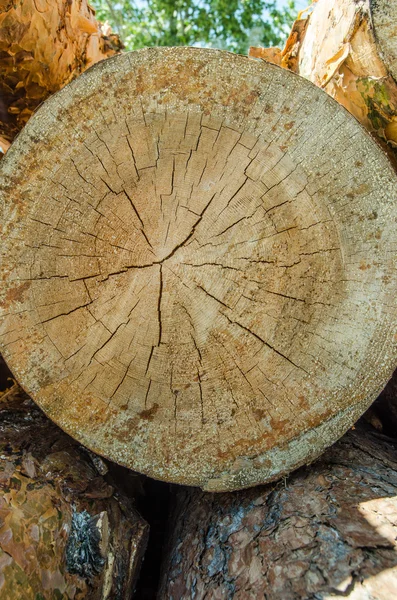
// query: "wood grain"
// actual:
[[199, 267]]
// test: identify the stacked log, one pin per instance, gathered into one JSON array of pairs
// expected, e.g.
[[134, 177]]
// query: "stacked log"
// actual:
[[327, 531], [66, 531], [43, 46], [199, 283], [349, 49], [201, 295]]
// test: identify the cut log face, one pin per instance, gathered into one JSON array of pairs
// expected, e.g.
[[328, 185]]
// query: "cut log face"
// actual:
[[384, 18], [199, 266]]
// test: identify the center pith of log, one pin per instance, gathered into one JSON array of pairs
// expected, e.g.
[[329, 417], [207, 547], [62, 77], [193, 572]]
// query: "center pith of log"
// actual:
[[199, 266]]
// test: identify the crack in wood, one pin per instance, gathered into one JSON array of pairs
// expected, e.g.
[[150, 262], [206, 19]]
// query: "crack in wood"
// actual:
[[225, 330]]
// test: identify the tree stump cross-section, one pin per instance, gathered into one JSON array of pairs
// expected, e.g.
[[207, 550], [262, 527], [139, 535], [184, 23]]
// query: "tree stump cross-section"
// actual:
[[198, 266]]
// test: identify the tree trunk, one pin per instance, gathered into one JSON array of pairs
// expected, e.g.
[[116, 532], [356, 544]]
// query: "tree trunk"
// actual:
[[43, 46], [66, 532], [201, 294], [327, 531], [348, 48]]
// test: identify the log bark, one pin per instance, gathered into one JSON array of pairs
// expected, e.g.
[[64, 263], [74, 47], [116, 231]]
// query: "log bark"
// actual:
[[43, 46], [349, 49], [206, 288], [328, 531], [66, 531]]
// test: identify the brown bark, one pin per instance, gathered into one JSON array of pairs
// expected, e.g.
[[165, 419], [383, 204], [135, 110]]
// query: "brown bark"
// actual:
[[328, 531], [43, 46], [206, 288], [66, 531], [349, 49]]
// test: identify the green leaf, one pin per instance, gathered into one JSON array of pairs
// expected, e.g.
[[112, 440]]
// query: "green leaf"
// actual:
[[228, 24]]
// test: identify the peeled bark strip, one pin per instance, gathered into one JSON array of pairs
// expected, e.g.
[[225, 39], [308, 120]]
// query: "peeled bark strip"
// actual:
[[349, 48], [325, 532], [65, 532], [206, 288], [43, 45]]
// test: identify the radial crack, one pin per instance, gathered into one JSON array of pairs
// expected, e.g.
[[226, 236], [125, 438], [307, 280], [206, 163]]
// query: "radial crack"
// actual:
[[213, 297], [159, 304], [147, 392], [192, 232], [201, 397], [255, 335], [65, 313], [230, 226]]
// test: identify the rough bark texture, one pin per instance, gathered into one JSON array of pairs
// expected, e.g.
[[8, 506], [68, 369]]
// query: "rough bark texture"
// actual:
[[66, 533], [328, 531], [201, 294], [348, 48], [43, 46]]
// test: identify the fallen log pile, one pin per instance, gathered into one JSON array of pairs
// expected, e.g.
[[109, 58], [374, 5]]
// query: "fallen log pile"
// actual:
[[199, 283]]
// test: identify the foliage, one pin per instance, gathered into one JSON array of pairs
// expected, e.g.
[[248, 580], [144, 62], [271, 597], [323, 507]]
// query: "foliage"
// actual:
[[228, 24]]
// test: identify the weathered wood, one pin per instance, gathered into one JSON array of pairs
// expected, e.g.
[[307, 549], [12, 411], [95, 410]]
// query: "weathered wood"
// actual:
[[348, 48], [328, 531], [384, 19], [199, 268], [66, 531], [43, 45]]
